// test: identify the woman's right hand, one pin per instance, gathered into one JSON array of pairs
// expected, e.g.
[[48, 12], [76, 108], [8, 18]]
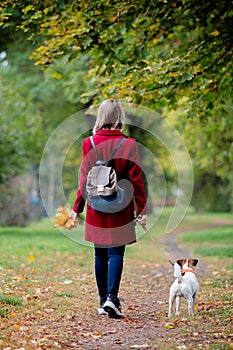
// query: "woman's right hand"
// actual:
[[142, 220]]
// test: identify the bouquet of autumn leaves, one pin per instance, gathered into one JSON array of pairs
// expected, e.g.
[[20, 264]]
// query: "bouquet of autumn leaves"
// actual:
[[63, 219]]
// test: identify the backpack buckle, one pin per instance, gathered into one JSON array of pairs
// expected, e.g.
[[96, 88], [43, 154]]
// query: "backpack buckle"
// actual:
[[100, 188]]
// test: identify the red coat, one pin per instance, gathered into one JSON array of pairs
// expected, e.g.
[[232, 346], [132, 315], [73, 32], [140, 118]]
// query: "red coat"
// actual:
[[117, 228]]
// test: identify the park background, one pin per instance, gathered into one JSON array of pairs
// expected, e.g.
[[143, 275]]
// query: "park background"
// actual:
[[60, 57]]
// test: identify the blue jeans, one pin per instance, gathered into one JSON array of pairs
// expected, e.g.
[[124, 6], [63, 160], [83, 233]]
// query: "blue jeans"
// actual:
[[108, 270]]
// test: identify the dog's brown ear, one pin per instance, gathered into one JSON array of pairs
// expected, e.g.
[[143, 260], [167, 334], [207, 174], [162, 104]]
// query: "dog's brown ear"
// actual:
[[180, 262], [194, 262]]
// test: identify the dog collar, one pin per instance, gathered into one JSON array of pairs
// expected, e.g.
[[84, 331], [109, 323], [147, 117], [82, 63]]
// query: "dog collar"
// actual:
[[188, 270]]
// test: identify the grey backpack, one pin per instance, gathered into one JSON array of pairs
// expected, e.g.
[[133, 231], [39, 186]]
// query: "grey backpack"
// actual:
[[102, 188]]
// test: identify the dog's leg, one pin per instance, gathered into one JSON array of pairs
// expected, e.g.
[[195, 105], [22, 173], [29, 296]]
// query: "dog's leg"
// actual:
[[194, 299], [171, 300], [190, 305], [178, 305]]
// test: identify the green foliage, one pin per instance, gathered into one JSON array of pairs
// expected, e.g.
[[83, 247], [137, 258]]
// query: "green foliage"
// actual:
[[155, 53], [20, 130], [35, 103], [211, 193], [70, 78], [150, 52], [209, 142], [15, 201]]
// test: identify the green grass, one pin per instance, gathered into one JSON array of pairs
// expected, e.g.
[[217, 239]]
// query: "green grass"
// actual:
[[7, 303], [221, 252], [41, 237], [191, 221], [3, 313], [39, 240], [4, 298], [212, 242], [218, 234], [42, 240], [66, 295]]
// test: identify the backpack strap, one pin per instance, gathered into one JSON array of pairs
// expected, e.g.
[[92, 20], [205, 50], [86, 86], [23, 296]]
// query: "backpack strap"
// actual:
[[117, 147], [93, 145], [113, 151]]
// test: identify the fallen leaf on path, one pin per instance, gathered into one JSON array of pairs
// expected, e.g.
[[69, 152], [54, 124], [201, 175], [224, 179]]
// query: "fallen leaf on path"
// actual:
[[67, 282], [170, 325], [126, 319], [94, 335]]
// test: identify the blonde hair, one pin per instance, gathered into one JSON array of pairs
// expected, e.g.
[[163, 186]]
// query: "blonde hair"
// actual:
[[110, 115]]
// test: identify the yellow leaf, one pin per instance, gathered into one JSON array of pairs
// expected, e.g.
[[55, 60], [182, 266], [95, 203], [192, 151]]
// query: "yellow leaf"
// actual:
[[31, 258], [155, 40], [17, 326], [169, 325], [197, 68], [146, 62], [170, 36], [57, 75], [173, 74], [99, 334], [46, 10], [28, 8], [215, 33], [19, 278], [33, 271], [63, 219]]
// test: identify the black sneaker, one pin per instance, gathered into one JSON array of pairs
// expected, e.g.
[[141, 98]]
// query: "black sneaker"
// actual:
[[112, 307]]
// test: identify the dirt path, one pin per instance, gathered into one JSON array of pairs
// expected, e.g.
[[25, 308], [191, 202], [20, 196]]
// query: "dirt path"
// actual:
[[145, 291]]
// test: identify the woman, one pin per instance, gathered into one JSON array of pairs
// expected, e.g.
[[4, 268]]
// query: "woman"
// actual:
[[110, 233]]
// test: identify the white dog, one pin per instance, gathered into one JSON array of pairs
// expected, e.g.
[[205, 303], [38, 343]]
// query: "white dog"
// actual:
[[185, 285]]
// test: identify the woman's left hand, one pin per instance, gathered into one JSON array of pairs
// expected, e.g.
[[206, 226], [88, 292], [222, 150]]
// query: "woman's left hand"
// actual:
[[73, 215]]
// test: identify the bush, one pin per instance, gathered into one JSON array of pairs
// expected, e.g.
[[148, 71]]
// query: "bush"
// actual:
[[211, 194]]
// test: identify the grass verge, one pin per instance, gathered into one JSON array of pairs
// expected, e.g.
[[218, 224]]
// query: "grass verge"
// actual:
[[215, 242]]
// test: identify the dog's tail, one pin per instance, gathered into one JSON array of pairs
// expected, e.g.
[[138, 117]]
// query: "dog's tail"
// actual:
[[177, 272]]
